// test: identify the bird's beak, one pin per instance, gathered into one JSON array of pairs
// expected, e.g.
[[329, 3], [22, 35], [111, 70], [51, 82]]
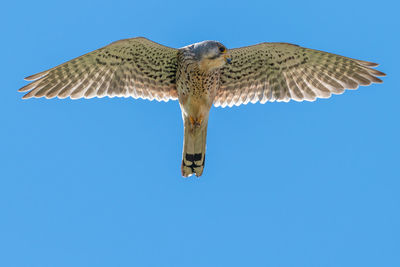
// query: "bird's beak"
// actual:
[[228, 58]]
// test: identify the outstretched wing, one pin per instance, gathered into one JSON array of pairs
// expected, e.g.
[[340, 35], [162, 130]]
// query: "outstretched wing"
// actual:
[[280, 72], [134, 67]]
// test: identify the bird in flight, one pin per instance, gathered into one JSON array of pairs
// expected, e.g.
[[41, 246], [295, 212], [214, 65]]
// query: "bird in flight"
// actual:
[[201, 75]]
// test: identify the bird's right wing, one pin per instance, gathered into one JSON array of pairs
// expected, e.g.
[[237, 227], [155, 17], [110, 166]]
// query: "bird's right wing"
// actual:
[[281, 72], [135, 67]]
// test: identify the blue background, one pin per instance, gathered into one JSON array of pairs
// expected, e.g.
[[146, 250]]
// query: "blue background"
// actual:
[[97, 182]]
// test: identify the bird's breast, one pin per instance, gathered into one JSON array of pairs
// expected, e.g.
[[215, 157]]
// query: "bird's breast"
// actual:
[[198, 85]]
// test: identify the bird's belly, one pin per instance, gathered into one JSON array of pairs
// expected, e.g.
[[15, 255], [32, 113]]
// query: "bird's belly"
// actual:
[[196, 106]]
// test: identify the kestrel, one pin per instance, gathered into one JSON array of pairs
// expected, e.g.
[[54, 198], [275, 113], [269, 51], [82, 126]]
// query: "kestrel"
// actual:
[[201, 75]]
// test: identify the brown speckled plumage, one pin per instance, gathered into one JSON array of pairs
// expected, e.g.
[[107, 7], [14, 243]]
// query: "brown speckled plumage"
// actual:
[[199, 77], [281, 72], [134, 67]]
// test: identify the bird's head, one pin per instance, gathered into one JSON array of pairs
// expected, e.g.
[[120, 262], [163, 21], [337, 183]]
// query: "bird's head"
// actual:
[[211, 55]]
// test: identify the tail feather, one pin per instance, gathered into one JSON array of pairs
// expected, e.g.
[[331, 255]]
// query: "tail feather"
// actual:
[[194, 150]]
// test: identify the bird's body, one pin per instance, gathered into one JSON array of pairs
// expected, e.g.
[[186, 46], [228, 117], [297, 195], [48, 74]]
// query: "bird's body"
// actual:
[[197, 86], [199, 76]]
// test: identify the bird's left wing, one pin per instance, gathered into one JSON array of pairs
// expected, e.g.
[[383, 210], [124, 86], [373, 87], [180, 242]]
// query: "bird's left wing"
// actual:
[[281, 71], [135, 67]]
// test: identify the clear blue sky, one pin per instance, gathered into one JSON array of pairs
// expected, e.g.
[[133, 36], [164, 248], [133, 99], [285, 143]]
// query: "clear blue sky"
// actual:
[[97, 182]]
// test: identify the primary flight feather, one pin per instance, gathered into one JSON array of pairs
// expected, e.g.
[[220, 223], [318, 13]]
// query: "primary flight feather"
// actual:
[[201, 75]]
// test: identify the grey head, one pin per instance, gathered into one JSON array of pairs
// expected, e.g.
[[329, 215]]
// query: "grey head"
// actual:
[[210, 55]]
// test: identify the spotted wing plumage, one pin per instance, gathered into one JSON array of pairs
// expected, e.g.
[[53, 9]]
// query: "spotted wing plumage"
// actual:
[[281, 72], [134, 67]]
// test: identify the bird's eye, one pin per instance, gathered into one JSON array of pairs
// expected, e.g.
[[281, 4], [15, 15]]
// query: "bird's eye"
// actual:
[[222, 49]]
